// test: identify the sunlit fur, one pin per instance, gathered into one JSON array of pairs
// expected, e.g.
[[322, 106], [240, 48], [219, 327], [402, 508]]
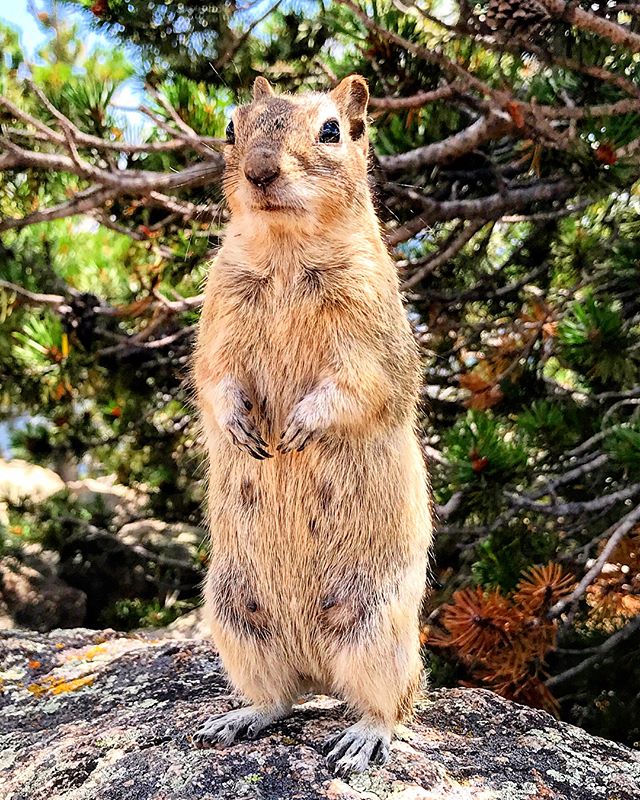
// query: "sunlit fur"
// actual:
[[319, 557]]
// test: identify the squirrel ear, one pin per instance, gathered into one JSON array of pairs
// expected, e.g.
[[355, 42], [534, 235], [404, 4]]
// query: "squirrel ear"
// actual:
[[261, 88], [351, 96]]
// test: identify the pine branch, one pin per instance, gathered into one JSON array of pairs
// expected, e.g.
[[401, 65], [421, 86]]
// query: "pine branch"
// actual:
[[110, 183], [430, 55]]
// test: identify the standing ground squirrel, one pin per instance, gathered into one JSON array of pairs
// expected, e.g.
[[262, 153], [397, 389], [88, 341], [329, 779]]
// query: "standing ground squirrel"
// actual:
[[307, 376]]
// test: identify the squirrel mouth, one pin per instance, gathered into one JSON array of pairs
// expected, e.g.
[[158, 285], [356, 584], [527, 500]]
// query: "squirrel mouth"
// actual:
[[265, 204], [269, 198]]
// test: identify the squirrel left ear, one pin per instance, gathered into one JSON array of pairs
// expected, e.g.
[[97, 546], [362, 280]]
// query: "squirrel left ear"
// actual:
[[261, 88], [351, 96]]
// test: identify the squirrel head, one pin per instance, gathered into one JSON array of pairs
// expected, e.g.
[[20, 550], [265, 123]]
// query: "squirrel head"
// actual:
[[304, 155]]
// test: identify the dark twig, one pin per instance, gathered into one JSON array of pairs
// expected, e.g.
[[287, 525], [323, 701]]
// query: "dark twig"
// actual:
[[609, 644]]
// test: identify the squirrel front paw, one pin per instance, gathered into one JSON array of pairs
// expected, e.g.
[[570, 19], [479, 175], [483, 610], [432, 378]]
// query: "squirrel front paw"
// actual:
[[301, 428], [244, 433], [232, 408]]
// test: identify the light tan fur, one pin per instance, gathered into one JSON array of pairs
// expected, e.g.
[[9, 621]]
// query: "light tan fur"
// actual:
[[319, 555]]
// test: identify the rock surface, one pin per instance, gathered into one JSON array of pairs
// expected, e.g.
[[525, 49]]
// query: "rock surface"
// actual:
[[87, 714], [174, 543], [20, 480], [122, 502]]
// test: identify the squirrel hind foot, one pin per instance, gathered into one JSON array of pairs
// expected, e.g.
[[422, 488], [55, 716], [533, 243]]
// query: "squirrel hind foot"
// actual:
[[356, 748], [247, 722]]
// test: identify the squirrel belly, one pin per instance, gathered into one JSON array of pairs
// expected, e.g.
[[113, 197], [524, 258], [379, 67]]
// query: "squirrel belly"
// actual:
[[307, 377]]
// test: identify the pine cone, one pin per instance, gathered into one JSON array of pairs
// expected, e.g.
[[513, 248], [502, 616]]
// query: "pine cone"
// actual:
[[516, 17]]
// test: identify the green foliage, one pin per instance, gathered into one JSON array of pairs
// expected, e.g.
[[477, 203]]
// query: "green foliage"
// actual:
[[623, 444], [552, 424], [41, 342], [503, 556], [127, 615], [483, 449], [594, 338], [201, 108]]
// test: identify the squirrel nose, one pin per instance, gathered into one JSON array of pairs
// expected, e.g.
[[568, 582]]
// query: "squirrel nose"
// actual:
[[261, 167]]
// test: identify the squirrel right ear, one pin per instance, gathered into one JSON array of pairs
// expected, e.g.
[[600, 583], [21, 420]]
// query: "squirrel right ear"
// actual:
[[261, 88], [351, 96]]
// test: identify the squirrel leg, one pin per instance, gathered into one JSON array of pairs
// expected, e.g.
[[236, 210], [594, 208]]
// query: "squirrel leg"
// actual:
[[378, 677], [260, 676], [269, 703]]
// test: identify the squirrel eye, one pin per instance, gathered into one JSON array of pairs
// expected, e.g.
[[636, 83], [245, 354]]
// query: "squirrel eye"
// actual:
[[329, 132], [230, 133]]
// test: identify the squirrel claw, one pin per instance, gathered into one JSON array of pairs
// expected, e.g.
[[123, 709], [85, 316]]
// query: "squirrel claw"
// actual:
[[296, 438], [245, 435]]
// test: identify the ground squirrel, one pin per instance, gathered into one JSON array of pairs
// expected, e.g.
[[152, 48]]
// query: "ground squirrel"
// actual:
[[307, 376]]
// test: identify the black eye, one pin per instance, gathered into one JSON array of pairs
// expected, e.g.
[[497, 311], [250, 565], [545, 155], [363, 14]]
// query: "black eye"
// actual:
[[329, 132], [230, 133]]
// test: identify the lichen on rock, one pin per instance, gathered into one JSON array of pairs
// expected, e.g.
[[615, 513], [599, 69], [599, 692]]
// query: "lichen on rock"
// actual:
[[113, 714]]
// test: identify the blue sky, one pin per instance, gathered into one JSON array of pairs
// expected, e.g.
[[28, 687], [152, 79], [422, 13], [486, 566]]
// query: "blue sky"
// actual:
[[16, 14], [33, 36]]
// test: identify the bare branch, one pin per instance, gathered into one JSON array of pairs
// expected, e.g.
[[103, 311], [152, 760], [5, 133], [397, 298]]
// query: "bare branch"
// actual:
[[574, 14], [551, 484], [579, 507], [28, 119], [413, 101], [203, 212], [45, 133], [55, 301], [613, 641], [443, 256], [626, 106], [484, 208], [177, 306], [134, 343], [544, 216], [82, 203], [450, 507], [493, 126], [135, 182]]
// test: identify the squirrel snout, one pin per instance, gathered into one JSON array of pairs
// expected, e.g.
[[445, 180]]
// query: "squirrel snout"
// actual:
[[261, 167]]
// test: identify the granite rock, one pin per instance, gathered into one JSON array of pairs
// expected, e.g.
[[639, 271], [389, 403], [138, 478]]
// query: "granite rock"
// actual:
[[98, 714]]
